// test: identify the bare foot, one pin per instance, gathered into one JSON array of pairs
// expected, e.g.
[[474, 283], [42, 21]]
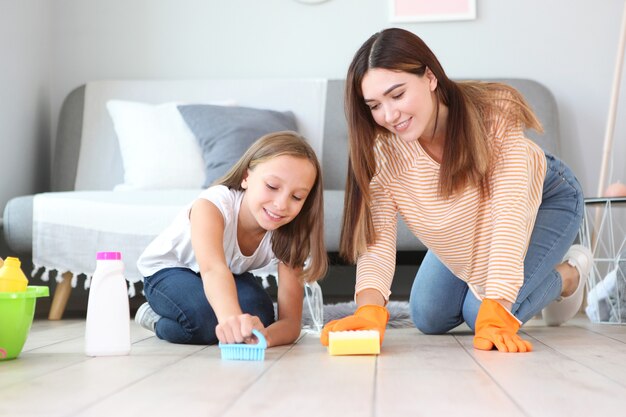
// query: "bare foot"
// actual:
[[570, 278]]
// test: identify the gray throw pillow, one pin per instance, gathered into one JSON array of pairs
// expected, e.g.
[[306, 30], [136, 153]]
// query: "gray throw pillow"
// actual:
[[225, 133]]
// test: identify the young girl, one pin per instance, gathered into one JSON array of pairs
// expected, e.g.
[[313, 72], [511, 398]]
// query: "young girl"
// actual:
[[496, 213], [197, 280]]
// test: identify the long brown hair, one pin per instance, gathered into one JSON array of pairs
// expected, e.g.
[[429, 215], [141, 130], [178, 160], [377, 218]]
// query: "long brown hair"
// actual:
[[466, 155], [295, 241]]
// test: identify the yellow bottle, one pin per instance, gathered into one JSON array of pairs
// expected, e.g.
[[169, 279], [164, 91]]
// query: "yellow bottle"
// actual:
[[12, 279]]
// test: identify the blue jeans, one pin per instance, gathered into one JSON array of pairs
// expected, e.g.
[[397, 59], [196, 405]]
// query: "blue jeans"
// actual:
[[177, 295], [440, 301]]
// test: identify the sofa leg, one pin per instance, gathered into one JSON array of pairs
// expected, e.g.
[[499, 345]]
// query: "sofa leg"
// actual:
[[61, 295]]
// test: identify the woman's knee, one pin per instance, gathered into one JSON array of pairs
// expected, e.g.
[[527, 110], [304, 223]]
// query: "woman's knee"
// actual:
[[427, 319]]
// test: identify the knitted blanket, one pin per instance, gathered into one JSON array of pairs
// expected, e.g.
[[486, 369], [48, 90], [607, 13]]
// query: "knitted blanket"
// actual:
[[69, 228]]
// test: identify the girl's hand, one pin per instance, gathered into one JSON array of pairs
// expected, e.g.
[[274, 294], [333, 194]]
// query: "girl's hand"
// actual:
[[238, 329]]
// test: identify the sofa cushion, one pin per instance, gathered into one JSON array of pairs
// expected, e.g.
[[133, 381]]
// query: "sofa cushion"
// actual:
[[224, 133], [158, 149]]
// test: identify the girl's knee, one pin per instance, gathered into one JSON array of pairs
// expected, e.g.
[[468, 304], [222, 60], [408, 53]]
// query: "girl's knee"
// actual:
[[199, 325], [262, 307], [254, 300]]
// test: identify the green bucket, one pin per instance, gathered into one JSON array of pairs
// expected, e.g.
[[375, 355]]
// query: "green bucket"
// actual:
[[17, 310]]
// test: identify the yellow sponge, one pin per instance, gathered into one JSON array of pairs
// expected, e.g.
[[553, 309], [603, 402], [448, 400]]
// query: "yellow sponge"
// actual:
[[354, 342]]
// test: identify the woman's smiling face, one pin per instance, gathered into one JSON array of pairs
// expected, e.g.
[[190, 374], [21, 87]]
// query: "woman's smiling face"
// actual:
[[401, 102]]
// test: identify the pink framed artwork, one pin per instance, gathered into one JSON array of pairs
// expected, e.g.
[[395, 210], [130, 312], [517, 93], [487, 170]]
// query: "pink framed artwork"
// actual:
[[431, 10]]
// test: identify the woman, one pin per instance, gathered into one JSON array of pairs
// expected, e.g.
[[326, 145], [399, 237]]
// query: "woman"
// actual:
[[496, 213]]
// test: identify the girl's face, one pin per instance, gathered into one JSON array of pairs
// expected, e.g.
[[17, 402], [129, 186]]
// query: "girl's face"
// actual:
[[277, 188], [401, 102]]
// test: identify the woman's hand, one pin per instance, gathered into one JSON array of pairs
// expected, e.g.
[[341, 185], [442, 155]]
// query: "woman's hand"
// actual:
[[366, 317], [238, 329], [497, 327]]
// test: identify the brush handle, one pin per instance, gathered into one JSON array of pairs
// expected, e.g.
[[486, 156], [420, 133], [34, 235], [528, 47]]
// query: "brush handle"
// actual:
[[262, 342]]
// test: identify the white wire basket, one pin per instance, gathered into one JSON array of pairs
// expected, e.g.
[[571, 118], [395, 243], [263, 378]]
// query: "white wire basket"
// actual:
[[604, 232]]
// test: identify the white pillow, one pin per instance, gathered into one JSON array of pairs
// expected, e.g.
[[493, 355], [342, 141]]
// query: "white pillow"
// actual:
[[158, 149]]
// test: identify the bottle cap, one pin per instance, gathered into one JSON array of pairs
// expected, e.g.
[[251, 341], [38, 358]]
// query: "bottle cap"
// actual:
[[102, 256], [11, 261]]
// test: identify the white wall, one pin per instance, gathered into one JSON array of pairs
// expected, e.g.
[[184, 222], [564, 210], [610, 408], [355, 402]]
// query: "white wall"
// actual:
[[24, 97], [568, 45]]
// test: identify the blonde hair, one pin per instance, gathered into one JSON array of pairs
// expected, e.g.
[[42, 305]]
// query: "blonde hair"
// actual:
[[294, 242], [466, 156]]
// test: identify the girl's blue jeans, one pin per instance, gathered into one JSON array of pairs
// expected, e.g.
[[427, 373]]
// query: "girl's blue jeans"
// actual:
[[177, 295], [440, 301]]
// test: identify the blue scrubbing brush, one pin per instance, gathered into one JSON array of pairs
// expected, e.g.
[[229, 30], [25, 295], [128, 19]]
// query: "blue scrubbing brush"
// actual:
[[243, 351]]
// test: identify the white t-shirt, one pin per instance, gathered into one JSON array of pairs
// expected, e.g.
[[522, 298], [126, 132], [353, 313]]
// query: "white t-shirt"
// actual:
[[172, 248]]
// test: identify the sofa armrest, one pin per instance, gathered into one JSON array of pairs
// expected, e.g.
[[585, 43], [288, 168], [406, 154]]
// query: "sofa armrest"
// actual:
[[18, 224], [68, 140]]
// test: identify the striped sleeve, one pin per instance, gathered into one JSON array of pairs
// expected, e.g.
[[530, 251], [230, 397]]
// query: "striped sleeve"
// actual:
[[516, 187], [375, 268]]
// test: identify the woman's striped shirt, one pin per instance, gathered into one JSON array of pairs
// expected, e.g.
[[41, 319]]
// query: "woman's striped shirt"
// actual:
[[482, 241]]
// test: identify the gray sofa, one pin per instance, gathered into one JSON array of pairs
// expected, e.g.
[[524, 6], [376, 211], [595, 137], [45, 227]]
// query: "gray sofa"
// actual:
[[79, 172]]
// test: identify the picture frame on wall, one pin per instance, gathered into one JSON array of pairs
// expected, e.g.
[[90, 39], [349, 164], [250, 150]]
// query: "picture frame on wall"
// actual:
[[431, 10]]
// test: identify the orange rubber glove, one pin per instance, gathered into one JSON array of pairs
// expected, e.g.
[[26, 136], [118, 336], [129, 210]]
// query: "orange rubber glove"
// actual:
[[367, 317], [495, 326]]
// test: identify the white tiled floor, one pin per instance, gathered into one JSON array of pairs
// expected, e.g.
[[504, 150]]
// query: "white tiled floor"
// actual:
[[576, 370]]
